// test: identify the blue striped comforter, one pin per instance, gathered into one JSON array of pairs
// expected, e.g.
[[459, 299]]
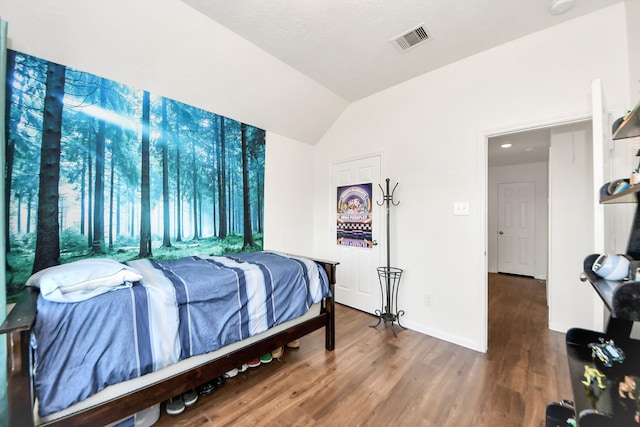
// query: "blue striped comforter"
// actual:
[[182, 308]]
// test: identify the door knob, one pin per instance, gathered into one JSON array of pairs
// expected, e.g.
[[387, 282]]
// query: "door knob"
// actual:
[[500, 232], [374, 243]]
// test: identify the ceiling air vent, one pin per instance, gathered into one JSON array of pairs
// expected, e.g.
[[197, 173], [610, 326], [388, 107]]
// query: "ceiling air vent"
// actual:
[[411, 38]]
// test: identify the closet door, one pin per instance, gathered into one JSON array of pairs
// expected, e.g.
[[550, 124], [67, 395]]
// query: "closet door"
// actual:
[[357, 278]]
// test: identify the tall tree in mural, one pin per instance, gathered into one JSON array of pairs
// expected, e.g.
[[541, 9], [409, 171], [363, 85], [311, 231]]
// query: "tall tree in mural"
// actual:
[[10, 142], [112, 183], [83, 191], [256, 172], [178, 201], [89, 180], [222, 180], [97, 245], [166, 224], [145, 202], [246, 200], [47, 252], [194, 190]]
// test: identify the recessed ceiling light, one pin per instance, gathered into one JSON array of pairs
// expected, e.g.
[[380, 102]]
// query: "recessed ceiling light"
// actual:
[[557, 7], [505, 145]]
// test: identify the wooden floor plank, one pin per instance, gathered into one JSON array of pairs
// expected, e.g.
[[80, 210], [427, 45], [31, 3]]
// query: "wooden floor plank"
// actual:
[[375, 379]]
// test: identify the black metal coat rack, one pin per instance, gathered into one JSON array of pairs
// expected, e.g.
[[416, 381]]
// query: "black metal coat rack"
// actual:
[[389, 277]]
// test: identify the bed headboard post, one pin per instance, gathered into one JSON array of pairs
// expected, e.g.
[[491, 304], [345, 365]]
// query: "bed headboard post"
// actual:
[[19, 380], [330, 330], [17, 327]]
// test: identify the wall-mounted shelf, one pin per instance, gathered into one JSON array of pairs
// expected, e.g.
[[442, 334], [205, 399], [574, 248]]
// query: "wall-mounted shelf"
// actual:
[[630, 195], [622, 298], [630, 126]]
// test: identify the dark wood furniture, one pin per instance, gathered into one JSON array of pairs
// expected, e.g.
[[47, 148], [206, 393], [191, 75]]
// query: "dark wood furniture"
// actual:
[[18, 325], [612, 406]]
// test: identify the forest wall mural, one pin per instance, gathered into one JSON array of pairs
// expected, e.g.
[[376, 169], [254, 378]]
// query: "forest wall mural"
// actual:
[[96, 168]]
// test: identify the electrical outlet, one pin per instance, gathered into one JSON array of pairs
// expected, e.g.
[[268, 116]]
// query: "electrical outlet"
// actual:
[[461, 208], [428, 300]]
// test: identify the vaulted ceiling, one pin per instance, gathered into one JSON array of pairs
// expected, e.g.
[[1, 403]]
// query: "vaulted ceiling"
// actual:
[[346, 45]]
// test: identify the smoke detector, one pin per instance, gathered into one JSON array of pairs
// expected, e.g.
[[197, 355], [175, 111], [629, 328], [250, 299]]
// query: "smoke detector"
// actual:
[[557, 7], [411, 38]]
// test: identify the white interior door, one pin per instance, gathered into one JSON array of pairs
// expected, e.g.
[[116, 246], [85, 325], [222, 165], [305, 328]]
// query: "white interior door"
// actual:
[[357, 282], [516, 228]]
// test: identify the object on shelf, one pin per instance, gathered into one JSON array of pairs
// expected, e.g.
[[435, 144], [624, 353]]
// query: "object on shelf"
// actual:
[[634, 270], [621, 298], [611, 267], [607, 352], [627, 126], [635, 175], [626, 196], [626, 301], [617, 186], [561, 414], [593, 374], [627, 388]]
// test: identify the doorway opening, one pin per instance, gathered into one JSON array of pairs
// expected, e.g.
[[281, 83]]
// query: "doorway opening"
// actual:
[[517, 204], [524, 170]]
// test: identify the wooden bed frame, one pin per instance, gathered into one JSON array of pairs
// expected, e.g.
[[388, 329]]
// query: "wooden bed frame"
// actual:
[[18, 326]]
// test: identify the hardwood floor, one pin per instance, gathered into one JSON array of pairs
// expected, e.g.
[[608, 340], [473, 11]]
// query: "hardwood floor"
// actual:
[[374, 379]]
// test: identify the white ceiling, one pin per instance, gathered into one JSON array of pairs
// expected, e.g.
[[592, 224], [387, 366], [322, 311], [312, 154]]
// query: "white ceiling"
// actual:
[[345, 44], [526, 147]]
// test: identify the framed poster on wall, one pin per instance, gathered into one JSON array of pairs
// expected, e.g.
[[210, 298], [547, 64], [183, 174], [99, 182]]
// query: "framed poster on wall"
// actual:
[[354, 216]]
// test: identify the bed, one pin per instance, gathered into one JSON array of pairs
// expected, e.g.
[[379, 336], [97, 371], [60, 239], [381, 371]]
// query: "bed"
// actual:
[[169, 326]]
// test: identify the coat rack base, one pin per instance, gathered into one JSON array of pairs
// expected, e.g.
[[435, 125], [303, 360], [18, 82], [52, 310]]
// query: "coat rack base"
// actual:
[[390, 318], [389, 278]]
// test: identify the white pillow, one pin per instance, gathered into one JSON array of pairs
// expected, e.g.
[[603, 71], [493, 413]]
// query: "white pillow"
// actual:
[[84, 279]]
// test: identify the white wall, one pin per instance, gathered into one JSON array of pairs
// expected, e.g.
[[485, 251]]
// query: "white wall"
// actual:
[[633, 36], [288, 209], [539, 174], [169, 48], [432, 132]]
